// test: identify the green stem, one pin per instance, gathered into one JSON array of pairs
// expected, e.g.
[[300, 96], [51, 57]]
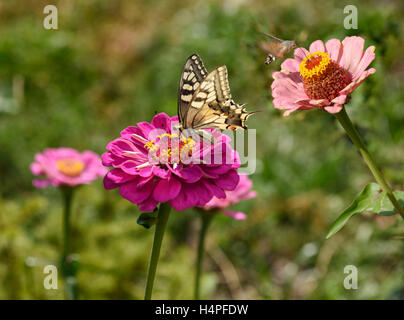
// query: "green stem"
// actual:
[[68, 269], [206, 218], [162, 218], [346, 123]]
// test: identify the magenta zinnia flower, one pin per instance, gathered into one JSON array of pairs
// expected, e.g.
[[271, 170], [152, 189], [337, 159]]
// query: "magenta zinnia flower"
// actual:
[[323, 77], [152, 164], [66, 167], [241, 192]]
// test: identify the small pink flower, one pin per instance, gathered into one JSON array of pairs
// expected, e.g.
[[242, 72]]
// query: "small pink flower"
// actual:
[[324, 77], [66, 167], [242, 192], [152, 164]]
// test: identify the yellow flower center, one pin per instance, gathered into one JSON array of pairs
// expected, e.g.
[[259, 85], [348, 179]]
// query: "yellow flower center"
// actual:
[[314, 64], [70, 167], [168, 148], [322, 77]]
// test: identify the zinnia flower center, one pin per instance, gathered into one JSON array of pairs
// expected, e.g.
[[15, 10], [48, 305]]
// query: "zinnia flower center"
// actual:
[[70, 167], [168, 148], [322, 77]]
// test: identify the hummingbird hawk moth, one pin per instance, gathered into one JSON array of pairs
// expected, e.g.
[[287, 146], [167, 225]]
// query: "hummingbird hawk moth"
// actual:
[[276, 48]]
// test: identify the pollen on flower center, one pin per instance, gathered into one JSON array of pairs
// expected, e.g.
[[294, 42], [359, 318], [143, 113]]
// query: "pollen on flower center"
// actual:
[[322, 77], [168, 148], [70, 167]]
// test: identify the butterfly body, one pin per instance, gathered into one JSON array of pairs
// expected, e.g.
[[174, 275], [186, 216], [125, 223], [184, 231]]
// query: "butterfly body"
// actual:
[[276, 48], [204, 99]]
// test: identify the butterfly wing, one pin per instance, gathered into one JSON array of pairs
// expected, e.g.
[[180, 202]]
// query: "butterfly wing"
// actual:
[[192, 75], [211, 105]]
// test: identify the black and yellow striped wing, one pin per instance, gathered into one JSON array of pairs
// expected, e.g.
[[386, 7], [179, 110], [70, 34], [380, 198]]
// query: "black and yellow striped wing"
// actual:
[[192, 75], [206, 102]]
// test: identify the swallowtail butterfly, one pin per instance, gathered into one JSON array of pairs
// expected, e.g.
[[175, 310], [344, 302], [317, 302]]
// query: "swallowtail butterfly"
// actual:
[[204, 99]]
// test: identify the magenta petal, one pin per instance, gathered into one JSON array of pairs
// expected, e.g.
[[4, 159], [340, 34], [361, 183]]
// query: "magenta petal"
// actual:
[[146, 128], [120, 145], [190, 174], [133, 193], [216, 191], [228, 181], [148, 205], [180, 202], [130, 167], [109, 183], [197, 194], [162, 121], [166, 189], [119, 176]]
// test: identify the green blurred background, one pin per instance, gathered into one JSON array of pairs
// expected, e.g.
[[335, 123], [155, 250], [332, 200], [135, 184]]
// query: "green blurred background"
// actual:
[[112, 64]]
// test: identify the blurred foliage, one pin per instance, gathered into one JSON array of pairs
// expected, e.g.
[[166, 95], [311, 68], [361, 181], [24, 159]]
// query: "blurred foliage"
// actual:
[[114, 63]]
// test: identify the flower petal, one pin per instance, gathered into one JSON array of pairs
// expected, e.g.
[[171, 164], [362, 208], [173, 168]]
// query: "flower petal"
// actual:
[[235, 214], [352, 52], [334, 109], [167, 189], [290, 65], [317, 45], [334, 49], [137, 192], [228, 181]]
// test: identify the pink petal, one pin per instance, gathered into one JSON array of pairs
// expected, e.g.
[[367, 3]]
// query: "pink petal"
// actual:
[[290, 65], [352, 52], [334, 49], [317, 45], [40, 184], [300, 54], [367, 58], [341, 99], [36, 169], [334, 109], [353, 85], [235, 214]]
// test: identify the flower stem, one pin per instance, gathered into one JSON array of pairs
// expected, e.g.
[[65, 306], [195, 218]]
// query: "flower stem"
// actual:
[[346, 123], [68, 269], [206, 218], [162, 218]]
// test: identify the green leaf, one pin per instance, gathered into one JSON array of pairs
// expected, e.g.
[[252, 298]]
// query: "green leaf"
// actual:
[[370, 199], [147, 219]]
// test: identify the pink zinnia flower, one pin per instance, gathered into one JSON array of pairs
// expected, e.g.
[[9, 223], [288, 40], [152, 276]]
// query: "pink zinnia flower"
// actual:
[[152, 164], [242, 192], [66, 167], [323, 77]]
